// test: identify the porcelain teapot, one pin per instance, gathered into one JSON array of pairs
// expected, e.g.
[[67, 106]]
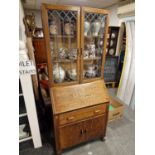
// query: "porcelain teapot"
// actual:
[[72, 74], [91, 71]]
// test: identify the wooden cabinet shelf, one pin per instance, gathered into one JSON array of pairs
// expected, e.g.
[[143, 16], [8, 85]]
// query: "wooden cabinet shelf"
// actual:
[[90, 59], [91, 36], [74, 60], [65, 61], [61, 36]]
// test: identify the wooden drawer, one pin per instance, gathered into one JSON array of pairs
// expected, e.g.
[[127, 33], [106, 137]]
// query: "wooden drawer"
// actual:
[[117, 110], [80, 114]]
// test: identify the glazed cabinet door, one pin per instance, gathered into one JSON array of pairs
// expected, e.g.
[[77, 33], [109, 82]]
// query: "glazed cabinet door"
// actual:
[[61, 29], [71, 135], [94, 28]]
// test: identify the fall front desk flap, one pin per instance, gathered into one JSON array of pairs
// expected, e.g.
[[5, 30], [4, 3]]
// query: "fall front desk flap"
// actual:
[[68, 98]]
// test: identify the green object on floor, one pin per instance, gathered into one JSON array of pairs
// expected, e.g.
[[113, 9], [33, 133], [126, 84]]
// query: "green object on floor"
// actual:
[[110, 107]]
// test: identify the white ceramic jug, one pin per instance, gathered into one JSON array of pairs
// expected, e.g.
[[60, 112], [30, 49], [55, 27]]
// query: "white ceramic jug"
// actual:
[[58, 73]]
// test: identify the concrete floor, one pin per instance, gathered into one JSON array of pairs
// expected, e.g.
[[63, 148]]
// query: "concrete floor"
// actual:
[[119, 140]]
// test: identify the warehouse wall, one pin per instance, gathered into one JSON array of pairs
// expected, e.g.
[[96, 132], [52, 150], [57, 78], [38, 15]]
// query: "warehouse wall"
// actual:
[[22, 35], [113, 19]]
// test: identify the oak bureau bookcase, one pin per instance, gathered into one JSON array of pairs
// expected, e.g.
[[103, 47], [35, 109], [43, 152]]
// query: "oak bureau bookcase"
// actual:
[[75, 41]]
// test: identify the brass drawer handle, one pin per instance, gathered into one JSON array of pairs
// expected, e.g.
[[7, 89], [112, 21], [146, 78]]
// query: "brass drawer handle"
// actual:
[[116, 114], [97, 111], [70, 118]]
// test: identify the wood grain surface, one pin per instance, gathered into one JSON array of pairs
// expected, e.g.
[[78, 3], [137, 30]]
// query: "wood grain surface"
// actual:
[[68, 98]]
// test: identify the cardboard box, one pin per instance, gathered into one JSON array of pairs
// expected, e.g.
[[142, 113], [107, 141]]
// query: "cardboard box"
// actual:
[[115, 109]]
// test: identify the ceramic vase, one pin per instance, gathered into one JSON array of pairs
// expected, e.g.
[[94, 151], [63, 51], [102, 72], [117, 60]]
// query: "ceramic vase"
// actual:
[[86, 28], [86, 54], [72, 54], [91, 71], [62, 53], [95, 27], [69, 28], [58, 73], [91, 48], [53, 28]]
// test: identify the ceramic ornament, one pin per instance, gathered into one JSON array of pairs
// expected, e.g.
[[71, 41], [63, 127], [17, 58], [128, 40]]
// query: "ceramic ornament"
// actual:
[[62, 53], [72, 54], [69, 28], [58, 73], [86, 54], [53, 28], [91, 71], [86, 28], [91, 49], [96, 25], [72, 74]]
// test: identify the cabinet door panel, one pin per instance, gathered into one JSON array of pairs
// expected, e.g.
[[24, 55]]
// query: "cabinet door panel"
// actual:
[[71, 135], [95, 127], [93, 42], [61, 29]]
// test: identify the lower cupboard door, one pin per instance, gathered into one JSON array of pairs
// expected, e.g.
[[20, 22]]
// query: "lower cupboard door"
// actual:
[[71, 135], [95, 127]]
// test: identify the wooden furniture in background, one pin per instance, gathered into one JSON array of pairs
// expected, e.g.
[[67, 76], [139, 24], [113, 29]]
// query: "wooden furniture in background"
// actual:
[[111, 70], [112, 40], [39, 50], [112, 59], [79, 105]]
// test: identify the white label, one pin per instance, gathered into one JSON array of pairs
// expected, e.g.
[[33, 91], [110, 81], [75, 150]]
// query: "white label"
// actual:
[[26, 67]]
